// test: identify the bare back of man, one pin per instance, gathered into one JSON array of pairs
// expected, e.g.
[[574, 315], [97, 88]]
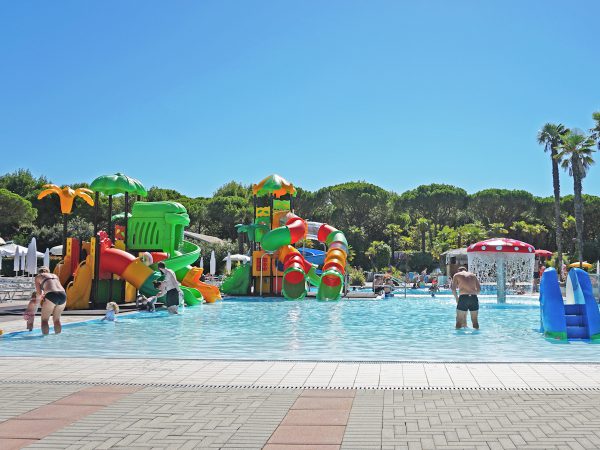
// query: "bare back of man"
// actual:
[[467, 284]]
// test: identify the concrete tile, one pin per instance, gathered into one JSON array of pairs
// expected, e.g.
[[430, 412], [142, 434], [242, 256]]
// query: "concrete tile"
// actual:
[[322, 403], [300, 447], [339, 393], [60, 412], [113, 389], [307, 435], [31, 429], [15, 444], [91, 398], [316, 417]]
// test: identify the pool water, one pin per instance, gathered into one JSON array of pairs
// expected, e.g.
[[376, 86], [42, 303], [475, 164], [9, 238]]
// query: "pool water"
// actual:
[[395, 329]]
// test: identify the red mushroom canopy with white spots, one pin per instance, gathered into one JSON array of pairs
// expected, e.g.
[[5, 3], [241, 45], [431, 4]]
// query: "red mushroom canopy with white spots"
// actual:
[[504, 245]]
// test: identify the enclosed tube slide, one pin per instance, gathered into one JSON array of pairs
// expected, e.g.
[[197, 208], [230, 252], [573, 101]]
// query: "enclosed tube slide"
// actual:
[[296, 269], [131, 269]]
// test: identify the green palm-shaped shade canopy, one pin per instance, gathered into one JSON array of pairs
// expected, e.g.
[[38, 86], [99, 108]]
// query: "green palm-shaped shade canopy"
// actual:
[[118, 184]]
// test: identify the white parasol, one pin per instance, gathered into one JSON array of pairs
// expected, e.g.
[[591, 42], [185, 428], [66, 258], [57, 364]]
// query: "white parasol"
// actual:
[[31, 257], [238, 258], [17, 261], [228, 263], [213, 263]]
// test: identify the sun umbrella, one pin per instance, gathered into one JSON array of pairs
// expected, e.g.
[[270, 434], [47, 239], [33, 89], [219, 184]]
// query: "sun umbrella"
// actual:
[[238, 258], [228, 263], [31, 257], [543, 253], [47, 258], [17, 261], [202, 262], [584, 264], [213, 263], [23, 261], [0, 262], [57, 250]]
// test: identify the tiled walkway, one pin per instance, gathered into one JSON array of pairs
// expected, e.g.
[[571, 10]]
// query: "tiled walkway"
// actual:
[[78, 416], [284, 374]]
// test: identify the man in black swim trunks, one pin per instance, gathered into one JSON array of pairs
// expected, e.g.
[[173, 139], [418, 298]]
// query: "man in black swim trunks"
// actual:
[[171, 286], [468, 286], [48, 288]]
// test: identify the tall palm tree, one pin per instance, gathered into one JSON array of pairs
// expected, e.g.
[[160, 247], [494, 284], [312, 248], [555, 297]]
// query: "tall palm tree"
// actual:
[[596, 130], [550, 137], [423, 227], [575, 154], [394, 232]]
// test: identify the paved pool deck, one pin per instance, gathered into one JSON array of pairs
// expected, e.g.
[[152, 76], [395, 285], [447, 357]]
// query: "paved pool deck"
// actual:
[[84, 403]]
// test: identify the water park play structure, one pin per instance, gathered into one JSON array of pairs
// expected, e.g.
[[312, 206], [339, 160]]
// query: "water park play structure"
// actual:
[[494, 261], [115, 265], [277, 267], [574, 317]]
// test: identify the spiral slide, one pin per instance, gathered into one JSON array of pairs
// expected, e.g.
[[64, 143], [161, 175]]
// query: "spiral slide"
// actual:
[[296, 269]]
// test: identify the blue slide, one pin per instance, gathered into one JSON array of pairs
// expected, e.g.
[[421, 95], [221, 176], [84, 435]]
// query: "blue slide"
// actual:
[[575, 318]]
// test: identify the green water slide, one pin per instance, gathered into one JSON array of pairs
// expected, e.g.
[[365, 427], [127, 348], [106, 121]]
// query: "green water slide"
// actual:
[[180, 263], [188, 254], [158, 226], [238, 282]]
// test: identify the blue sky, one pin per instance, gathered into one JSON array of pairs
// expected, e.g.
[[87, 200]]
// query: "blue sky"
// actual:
[[192, 94]]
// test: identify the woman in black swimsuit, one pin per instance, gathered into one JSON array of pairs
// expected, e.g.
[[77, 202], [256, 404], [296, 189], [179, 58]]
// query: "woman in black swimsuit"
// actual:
[[48, 287]]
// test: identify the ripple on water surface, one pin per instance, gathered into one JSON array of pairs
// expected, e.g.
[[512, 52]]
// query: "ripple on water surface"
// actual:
[[411, 329]]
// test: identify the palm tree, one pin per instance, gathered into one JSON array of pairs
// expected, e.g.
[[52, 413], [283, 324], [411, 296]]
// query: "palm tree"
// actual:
[[67, 196], [496, 229], [576, 156], [393, 231], [550, 137], [596, 130], [422, 227]]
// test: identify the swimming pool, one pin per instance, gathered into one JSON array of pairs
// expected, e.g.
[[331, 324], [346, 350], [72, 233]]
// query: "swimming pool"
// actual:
[[395, 329]]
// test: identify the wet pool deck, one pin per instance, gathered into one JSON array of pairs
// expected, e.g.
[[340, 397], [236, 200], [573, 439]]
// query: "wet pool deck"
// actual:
[[161, 403]]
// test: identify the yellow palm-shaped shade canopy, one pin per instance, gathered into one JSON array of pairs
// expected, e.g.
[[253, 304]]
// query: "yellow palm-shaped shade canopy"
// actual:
[[67, 195]]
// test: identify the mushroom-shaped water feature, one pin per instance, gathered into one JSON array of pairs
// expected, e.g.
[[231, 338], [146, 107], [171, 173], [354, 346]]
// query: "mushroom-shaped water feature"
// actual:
[[496, 260]]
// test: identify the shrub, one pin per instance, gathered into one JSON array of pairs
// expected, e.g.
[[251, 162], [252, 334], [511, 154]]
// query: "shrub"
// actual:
[[356, 276]]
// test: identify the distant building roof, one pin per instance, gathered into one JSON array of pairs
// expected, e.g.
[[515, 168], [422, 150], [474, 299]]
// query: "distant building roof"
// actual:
[[204, 238], [455, 252], [459, 253]]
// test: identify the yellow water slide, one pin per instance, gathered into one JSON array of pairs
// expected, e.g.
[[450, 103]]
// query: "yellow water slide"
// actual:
[[79, 290]]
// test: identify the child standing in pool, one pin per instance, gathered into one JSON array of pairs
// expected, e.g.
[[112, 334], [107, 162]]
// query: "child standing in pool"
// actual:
[[29, 314], [434, 287], [112, 309]]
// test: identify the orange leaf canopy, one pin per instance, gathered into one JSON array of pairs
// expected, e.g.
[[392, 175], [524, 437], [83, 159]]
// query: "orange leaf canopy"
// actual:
[[274, 185]]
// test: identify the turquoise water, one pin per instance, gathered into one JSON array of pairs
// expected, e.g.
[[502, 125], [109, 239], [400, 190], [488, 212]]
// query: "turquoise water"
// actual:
[[411, 329]]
